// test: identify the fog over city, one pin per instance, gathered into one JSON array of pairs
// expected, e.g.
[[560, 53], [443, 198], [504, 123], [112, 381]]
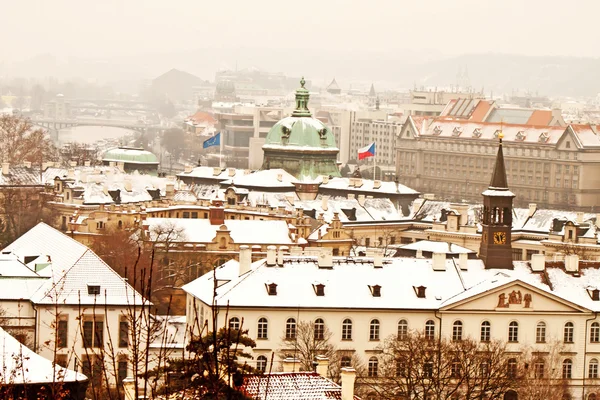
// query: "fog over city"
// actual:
[[398, 43], [319, 199]]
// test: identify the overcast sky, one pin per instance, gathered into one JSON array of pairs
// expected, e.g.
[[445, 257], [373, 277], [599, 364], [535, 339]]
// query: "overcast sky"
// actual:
[[104, 28]]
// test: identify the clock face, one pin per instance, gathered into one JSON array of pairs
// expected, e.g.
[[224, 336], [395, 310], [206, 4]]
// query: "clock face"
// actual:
[[499, 237]]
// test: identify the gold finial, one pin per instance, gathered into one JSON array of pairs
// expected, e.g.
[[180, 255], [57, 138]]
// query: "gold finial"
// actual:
[[501, 135]]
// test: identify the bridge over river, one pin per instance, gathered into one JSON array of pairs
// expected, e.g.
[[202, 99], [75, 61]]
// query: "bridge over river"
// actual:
[[56, 125]]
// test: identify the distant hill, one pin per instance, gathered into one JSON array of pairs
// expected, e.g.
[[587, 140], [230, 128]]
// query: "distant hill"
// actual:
[[176, 85], [503, 73]]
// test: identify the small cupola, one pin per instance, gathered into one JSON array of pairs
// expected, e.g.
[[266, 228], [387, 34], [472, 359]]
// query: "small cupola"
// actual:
[[420, 291], [271, 288], [375, 290], [319, 289]]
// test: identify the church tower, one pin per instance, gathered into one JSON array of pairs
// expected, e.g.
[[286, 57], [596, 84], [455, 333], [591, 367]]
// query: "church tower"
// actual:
[[496, 225]]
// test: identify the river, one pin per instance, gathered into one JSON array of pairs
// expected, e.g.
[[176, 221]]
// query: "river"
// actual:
[[102, 135]]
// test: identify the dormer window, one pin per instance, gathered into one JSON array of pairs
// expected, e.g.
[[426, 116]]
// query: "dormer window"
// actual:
[[437, 130], [272, 289], [594, 294], [93, 289], [457, 131], [319, 289], [477, 133], [375, 290], [543, 137], [521, 135], [420, 291]]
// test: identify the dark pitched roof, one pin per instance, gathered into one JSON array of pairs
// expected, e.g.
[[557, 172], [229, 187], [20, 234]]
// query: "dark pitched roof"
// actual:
[[499, 180]]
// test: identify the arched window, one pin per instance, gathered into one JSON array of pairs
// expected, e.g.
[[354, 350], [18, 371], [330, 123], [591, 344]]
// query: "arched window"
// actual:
[[513, 332], [402, 329], [345, 362], [263, 328], [222, 243], [595, 333], [372, 367], [234, 323], [319, 329], [511, 368], [347, 329], [568, 332], [430, 330], [486, 331], [592, 396], [567, 369], [120, 224], [457, 331], [540, 332], [290, 329], [374, 329], [593, 369], [261, 363]]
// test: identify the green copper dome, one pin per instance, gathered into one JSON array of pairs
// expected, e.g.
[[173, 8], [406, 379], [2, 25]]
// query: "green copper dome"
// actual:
[[300, 144], [130, 155], [301, 129]]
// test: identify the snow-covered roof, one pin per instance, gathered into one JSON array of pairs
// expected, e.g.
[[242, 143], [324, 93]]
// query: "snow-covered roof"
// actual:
[[291, 385], [437, 247], [209, 173], [68, 274], [398, 278], [241, 231], [20, 365], [367, 186], [270, 178]]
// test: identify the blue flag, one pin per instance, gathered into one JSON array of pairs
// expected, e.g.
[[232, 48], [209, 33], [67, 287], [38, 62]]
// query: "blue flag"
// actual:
[[213, 141]]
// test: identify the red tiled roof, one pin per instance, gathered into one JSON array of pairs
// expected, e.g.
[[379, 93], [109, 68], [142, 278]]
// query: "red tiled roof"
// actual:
[[202, 116], [481, 110], [540, 117], [291, 385]]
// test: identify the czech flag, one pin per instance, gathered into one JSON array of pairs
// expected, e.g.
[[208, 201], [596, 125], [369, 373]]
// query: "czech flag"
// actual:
[[367, 151], [213, 141]]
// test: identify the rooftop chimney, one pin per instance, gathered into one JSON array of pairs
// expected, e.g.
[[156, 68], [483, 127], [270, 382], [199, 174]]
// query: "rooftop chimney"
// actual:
[[348, 376], [538, 262], [376, 184], [271, 256], [532, 209], [325, 258], [70, 173], [439, 261], [5, 168], [572, 263], [361, 199], [419, 253], [322, 366], [216, 171], [170, 190], [245, 259], [325, 179], [282, 250], [231, 172], [188, 168], [279, 177], [27, 164], [325, 202], [579, 217], [73, 163], [378, 259], [463, 259], [291, 364], [128, 186]]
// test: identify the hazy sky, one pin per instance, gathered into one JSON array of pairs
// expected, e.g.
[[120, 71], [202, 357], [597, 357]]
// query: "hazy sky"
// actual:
[[104, 28]]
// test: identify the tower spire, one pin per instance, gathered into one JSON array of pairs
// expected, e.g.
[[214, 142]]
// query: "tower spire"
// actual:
[[499, 181], [302, 96]]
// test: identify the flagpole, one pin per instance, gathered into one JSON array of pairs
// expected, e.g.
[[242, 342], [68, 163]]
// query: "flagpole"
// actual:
[[220, 153], [375, 161]]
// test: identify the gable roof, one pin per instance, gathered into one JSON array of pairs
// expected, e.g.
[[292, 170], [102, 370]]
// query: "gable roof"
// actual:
[[42, 239], [71, 286], [23, 366], [72, 267]]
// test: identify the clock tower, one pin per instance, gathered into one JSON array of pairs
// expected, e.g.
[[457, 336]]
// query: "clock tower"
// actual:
[[496, 224]]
